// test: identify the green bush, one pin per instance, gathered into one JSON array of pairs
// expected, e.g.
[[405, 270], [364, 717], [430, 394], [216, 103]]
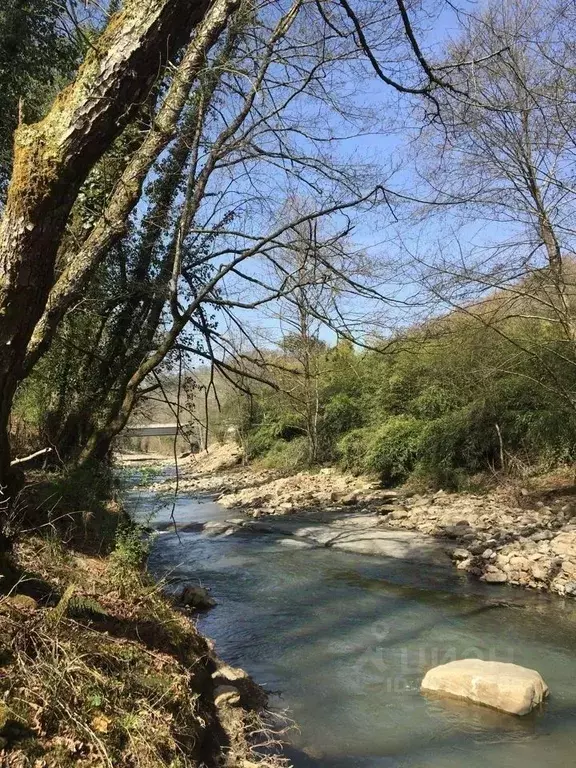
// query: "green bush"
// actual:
[[390, 450], [351, 450], [260, 440], [341, 414], [128, 558], [432, 402], [88, 510], [467, 441], [466, 438], [545, 436], [447, 401], [285, 455], [264, 437]]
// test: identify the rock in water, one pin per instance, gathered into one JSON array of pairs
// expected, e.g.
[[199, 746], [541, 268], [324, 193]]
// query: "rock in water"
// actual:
[[507, 687], [197, 598]]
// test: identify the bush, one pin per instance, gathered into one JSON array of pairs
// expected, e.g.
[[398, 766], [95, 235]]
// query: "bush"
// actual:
[[260, 441], [341, 414], [264, 437], [466, 438], [128, 558], [543, 436], [466, 441], [81, 502], [288, 455], [432, 403], [390, 450], [352, 448]]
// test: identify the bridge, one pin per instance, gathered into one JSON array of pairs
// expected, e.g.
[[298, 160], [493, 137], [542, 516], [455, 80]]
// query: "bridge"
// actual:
[[154, 430]]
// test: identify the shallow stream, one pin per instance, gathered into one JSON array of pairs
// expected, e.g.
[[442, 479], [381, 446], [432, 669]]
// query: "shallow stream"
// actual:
[[343, 641]]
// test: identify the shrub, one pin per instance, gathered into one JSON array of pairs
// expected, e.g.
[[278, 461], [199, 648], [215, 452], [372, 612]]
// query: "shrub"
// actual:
[[390, 450], [128, 558], [393, 451], [466, 438], [262, 439], [351, 449], [544, 436], [341, 414], [431, 403], [81, 504], [288, 455]]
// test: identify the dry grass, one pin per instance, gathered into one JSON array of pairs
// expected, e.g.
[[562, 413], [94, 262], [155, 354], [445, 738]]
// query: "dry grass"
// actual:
[[98, 675]]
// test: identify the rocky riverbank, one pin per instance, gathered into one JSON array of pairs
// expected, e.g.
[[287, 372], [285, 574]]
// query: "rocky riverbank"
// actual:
[[99, 671], [530, 544], [525, 538]]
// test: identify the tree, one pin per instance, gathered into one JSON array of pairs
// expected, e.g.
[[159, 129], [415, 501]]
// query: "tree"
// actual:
[[142, 71], [502, 165], [243, 152], [259, 141], [54, 157], [37, 53], [308, 267]]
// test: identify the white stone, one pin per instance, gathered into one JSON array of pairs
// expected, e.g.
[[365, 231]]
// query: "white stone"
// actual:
[[494, 575], [507, 687]]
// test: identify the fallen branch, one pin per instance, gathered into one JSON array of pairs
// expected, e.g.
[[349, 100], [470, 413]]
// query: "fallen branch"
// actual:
[[32, 456]]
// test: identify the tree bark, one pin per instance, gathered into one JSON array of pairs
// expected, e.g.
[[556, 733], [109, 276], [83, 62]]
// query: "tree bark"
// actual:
[[112, 225], [52, 159]]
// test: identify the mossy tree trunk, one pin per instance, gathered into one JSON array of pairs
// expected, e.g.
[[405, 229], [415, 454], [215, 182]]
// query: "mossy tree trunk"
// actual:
[[52, 159]]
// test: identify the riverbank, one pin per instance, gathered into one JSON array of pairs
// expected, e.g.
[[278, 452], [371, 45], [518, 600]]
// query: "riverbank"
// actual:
[[511, 535], [99, 667]]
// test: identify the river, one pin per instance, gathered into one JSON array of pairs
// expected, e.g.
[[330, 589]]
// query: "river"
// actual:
[[342, 641]]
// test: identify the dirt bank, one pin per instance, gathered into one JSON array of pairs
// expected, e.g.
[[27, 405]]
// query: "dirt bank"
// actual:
[[516, 536]]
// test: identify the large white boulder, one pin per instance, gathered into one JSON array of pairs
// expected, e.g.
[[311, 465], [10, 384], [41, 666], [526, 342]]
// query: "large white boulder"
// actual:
[[507, 687]]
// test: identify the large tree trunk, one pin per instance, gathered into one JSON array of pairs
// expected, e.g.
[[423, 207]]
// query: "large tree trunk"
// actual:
[[53, 158], [112, 224]]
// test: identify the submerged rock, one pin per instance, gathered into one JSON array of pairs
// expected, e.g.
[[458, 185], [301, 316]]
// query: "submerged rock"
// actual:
[[507, 687]]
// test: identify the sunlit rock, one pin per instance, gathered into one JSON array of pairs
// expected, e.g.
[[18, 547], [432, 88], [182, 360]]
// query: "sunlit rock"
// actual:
[[507, 687]]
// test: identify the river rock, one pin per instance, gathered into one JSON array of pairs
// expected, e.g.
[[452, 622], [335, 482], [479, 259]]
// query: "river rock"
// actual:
[[542, 536], [540, 572], [20, 603], [494, 575], [229, 674], [196, 597], [568, 568], [564, 544], [507, 687], [219, 528]]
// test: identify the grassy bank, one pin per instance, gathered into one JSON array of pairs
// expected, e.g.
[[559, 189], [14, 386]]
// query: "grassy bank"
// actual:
[[98, 666]]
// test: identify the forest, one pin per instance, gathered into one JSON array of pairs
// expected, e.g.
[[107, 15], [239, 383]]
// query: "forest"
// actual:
[[457, 402]]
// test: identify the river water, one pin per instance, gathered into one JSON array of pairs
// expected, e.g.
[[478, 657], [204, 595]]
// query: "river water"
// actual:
[[342, 641]]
